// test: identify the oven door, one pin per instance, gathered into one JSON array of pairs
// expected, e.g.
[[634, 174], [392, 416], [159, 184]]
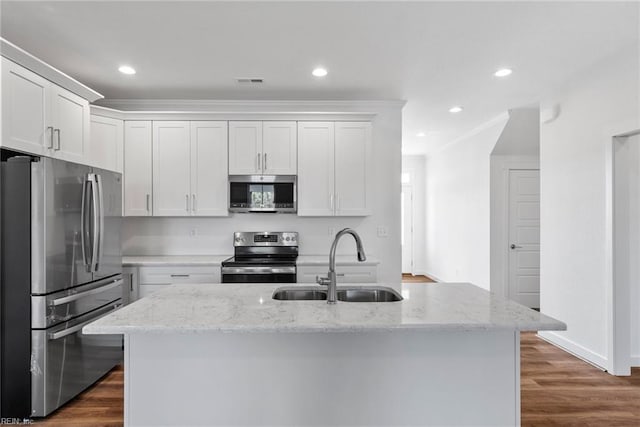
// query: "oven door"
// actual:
[[259, 274]]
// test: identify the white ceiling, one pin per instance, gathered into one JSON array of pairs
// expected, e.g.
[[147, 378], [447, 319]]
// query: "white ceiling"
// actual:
[[434, 55]]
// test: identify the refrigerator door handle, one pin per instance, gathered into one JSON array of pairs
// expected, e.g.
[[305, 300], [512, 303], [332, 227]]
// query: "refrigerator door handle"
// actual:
[[101, 228], [83, 226], [95, 213], [72, 330]]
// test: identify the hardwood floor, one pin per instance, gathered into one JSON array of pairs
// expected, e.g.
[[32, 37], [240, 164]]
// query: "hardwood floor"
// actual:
[[557, 389], [409, 278]]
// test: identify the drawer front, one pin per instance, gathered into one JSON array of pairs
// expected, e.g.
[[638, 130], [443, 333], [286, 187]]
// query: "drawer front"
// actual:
[[178, 274], [349, 274]]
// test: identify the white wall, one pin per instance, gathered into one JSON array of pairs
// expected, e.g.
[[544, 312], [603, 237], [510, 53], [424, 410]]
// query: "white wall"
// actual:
[[415, 166], [573, 197], [172, 236], [458, 206]]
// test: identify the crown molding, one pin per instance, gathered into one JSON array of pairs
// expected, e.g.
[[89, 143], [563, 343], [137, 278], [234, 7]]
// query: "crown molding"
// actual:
[[245, 106], [30, 62]]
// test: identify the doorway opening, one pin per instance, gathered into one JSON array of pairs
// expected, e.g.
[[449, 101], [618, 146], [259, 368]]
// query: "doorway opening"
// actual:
[[406, 218]]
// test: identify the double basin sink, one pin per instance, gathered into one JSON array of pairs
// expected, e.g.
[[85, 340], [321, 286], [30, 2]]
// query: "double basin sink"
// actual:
[[346, 294]]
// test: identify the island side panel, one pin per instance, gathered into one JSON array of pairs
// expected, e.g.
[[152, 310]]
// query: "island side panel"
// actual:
[[333, 379]]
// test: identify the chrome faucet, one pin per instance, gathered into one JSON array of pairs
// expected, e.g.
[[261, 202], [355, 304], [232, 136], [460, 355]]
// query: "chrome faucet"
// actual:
[[330, 282]]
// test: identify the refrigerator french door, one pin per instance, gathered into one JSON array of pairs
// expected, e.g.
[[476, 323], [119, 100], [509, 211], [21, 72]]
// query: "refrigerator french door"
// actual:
[[61, 269]]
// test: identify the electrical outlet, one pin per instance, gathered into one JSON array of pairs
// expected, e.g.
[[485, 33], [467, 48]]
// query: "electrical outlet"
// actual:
[[331, 231], [383, 231]]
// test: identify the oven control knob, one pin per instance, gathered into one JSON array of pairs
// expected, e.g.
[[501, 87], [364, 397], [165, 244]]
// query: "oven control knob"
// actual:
[[286, 238]]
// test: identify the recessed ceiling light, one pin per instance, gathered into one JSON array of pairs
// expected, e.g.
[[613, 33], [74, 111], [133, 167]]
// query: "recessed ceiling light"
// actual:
[[503, 72], [455, 109], [125, 69], [420, 134], [319, 72]]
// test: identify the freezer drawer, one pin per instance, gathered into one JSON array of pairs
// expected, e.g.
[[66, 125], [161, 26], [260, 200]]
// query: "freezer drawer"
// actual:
[[65, 361], [53, 309]]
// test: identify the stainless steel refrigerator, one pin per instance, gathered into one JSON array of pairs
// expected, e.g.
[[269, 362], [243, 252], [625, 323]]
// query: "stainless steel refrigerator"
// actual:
[[61, 268]]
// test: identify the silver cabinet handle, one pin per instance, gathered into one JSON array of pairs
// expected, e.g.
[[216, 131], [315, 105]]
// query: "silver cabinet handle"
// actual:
[[193, 203], [187, 200], [131, 282], [258, 162], [57, 131], [148, 200], [50, 128], [179, 275], [331, 200], [265, 161], [514, 246]]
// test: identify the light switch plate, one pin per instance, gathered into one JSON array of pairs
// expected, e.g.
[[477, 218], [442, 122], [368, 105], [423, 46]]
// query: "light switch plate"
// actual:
[[383, 231]]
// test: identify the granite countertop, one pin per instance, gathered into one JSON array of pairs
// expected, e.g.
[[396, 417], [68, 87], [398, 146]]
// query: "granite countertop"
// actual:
[[216, 260], [201, 308]]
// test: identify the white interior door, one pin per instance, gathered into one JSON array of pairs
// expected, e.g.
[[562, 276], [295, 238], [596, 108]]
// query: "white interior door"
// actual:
[[524, 237], [406, 239]]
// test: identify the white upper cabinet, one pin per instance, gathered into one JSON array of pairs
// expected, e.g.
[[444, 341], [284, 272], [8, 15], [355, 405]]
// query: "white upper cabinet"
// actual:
[[334, 168], [26, 121], [209, 173], [279, 148], [42, 118], [353, 168], [137, 175], [106, 143], [262, 148], [70, 125], [245, 148], [316, 169], [171, 168]]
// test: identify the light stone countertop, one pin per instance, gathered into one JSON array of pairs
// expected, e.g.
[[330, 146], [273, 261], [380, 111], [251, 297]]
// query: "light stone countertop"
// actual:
[[216, 260], [203, 308]]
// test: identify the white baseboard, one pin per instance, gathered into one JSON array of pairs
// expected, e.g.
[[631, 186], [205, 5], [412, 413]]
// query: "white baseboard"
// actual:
[[430, 276], [574, 348], [635, 361]]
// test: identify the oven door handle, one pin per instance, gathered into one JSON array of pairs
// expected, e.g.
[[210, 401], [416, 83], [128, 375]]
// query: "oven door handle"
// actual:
[[258, 270]]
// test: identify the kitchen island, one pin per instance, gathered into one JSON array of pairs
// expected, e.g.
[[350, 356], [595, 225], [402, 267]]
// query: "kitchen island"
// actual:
[[447, 354]]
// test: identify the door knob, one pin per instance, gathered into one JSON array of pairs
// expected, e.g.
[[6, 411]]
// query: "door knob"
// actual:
[[514, 246]]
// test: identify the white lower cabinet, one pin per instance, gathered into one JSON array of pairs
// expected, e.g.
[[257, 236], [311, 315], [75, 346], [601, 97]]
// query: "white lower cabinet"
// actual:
[[152, 279], [130, 288], [345, 274]]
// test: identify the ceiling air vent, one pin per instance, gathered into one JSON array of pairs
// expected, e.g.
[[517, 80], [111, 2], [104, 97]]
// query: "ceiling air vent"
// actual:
[[245, 80]]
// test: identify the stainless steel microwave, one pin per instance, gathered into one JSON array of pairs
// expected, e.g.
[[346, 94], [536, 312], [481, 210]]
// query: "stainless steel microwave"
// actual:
[[262, 193]]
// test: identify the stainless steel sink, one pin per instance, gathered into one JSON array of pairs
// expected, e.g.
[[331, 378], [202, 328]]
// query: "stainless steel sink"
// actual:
[[299, 294], [346, 294], [369, 294]]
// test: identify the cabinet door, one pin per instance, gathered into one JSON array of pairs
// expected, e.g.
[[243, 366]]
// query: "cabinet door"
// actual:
[[105, 143], [245, 148], [25, 110], [71, 125], [137, 169], [209, 173], [130, 287], [279, 148], [171, 169], [315, 168], [353, 157]]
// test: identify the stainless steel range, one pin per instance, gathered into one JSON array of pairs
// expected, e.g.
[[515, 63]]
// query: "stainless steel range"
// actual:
[[262, 257]]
